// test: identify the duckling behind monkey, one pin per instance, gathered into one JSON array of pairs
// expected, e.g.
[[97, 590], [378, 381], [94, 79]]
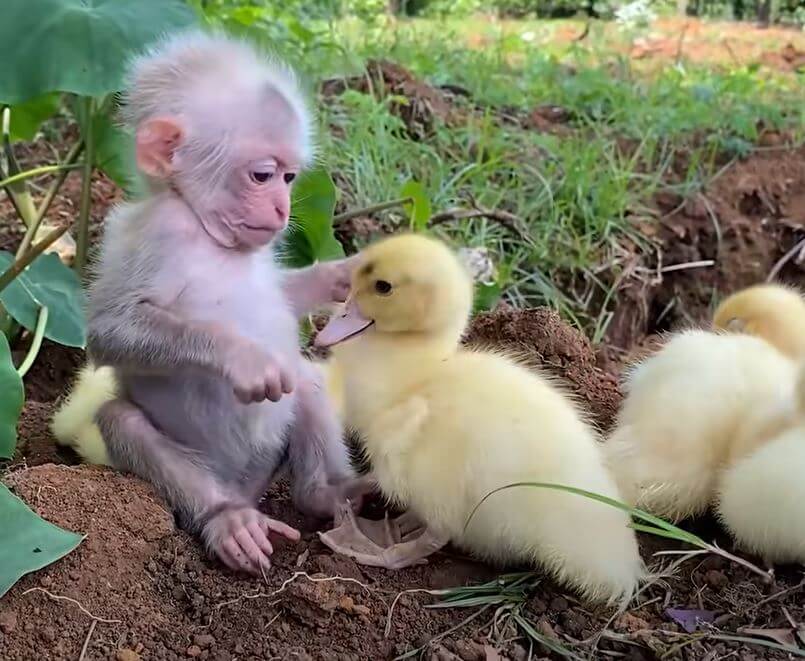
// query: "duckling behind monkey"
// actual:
[[444, 426]]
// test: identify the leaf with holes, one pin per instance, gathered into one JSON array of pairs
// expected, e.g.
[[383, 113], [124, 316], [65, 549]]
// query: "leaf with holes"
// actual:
[[418, 209], [78, 46], [12, 397], [28, 542], [310, 238], [46, 282]]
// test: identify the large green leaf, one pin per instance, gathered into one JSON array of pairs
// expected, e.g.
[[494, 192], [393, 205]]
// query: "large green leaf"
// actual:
[[114, 155], [47, 282], [311, 236], [12, 397], [28, 542], [78, 46], [26, 118]]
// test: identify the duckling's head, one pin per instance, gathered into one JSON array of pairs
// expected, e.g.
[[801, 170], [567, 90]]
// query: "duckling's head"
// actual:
[[407, 284], [772, 312]]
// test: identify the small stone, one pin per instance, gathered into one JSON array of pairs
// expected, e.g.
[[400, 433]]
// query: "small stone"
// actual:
[[74, 575], [559, 604], [346, 603], [204, 641], [48, 634], [8, 621], [718, 579], [360, 609], [46, 581], [127, 655], [194, 651], [544, 627]]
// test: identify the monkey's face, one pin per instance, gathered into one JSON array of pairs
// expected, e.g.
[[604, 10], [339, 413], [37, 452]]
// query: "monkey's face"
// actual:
[[260, 203]]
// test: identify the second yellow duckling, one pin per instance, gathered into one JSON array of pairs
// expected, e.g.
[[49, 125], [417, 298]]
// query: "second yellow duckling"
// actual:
[[773, 312], [445, 426]]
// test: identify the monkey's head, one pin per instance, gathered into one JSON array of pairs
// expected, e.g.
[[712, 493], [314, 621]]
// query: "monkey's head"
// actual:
[[773, 312], [407, 284], [225, 127]]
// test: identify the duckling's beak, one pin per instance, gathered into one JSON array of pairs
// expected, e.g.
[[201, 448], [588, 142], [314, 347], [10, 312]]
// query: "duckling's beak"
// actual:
[[340, 328]]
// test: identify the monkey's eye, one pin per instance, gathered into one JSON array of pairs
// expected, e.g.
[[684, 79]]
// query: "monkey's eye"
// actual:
[[382, 287], [288, 177], [260, 177]]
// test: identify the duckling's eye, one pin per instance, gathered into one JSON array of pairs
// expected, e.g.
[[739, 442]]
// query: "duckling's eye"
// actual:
[[382, 287]]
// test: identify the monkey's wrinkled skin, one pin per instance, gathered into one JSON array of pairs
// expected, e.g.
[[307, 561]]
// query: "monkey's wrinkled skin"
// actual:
[[444, 426], [210, 397]]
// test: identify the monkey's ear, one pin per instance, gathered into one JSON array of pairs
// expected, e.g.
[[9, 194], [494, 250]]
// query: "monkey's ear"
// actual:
[[157, 140]]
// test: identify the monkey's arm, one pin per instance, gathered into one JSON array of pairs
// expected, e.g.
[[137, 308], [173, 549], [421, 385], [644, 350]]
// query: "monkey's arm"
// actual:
[[310, 288], [151, 337]]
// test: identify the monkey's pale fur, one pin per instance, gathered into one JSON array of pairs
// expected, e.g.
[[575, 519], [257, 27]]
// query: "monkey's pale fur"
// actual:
[[444, 426], [701, 402], [74, 425], [192, 310], [773, 312], [204, 78]]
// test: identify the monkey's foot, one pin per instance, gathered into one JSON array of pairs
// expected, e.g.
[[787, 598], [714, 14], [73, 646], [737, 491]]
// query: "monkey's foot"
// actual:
[[392, 544], [239, 537]]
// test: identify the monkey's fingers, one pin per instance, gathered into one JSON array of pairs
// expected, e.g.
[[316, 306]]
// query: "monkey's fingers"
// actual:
[[283, 529], [234, 557], [259, 532], [253, 552]]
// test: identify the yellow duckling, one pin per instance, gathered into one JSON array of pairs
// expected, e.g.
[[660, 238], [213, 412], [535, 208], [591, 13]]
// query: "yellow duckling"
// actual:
[[773, 312], [706, 400], [760, 498], [73, 425], [444, 426]]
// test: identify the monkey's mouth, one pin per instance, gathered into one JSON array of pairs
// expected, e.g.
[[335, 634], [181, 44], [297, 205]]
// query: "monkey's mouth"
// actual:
[[344, 327]]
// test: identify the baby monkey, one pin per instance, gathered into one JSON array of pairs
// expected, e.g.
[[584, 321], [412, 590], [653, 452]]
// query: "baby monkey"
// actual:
[[192, 311]]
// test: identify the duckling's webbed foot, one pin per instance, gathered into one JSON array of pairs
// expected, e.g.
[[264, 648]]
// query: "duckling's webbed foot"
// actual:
[[392, 544]]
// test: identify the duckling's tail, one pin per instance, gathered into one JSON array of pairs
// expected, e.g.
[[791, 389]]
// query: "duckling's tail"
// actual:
[[73, 425]]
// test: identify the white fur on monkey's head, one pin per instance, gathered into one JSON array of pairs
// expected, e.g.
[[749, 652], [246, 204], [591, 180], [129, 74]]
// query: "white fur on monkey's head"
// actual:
[[213, 79]]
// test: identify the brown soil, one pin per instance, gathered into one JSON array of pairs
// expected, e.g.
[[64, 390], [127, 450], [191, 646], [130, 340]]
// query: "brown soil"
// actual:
[[156, 596], [742, 226]]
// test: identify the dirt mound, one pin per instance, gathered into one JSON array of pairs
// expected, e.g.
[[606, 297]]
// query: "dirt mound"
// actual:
[[548, 342], [741, 229]]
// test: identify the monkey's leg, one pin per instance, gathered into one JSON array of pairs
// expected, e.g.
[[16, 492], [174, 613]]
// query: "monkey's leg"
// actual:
[[229, 524], [321, 473]]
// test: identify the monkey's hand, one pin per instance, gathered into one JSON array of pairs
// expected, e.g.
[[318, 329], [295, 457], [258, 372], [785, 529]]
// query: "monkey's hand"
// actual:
[[239, 537], [321, 284], [255, 375], [337, 278]]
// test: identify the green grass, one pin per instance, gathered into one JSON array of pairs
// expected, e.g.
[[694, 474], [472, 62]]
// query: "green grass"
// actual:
[[578, 195]]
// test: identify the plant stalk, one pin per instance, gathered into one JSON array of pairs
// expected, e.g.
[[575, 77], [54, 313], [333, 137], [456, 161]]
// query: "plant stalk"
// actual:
[[22, 262], [82, 239], [35, 172], [17, 191], [50, 195], [347, 215], [36, 344]]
